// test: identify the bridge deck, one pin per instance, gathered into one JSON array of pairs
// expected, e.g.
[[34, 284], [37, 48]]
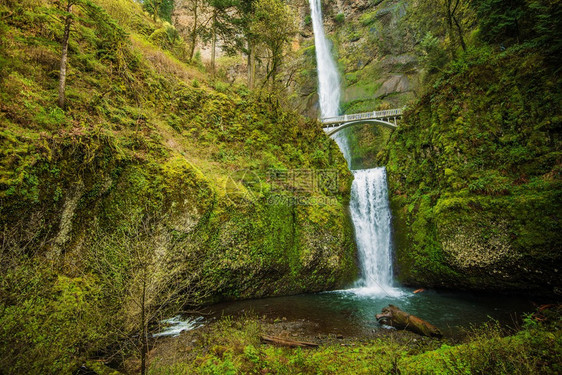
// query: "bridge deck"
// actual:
[[386, 114]]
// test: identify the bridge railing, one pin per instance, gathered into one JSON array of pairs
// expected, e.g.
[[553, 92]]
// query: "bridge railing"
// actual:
[[362, 116]]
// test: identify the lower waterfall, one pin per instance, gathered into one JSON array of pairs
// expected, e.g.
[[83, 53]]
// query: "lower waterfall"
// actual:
[[371, 217]]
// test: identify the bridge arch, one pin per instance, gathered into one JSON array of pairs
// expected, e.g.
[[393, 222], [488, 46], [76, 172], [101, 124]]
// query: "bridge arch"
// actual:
[[333, 130], [387, 118]]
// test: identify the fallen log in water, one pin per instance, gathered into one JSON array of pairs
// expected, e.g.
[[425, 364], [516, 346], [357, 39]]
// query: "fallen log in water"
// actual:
[[394, 317], [287, 342]]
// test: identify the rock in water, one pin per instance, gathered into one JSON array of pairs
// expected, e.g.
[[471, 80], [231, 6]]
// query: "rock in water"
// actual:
[[394, 317]]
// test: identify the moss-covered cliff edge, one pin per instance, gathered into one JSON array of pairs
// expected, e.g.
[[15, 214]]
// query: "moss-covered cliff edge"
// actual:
[[475, 179], [155, 188], [145, 132]]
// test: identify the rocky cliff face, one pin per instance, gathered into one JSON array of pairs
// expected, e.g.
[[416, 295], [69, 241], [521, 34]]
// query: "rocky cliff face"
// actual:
[[378, 61], [375, 51], [378, 57]]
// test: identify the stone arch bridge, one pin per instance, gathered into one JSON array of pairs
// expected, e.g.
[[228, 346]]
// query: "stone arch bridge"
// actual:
[[388, 118]]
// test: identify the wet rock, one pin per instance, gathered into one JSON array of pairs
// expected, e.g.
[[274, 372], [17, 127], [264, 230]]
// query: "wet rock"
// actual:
[[397, 83]]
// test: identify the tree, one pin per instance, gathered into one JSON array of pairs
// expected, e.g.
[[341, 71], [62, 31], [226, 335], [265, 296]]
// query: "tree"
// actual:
[[145, 270], [221, 25], [274, 26], [68, 20], [434, 57], [500, 20], [447, 20], [198, 11], [160, 8], [111, 34], [246, 44], [452, 17], [547, 26], [534, 22]]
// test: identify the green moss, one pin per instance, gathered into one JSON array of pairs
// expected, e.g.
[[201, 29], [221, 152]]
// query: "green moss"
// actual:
[[474, 180], [145, 137], [233, 345]]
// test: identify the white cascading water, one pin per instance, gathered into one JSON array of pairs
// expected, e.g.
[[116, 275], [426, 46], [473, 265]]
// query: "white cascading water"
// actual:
[[369, 205], [343, 143], [328, 76], [370, 213]]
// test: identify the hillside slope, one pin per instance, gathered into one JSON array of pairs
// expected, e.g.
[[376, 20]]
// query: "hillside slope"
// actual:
[[131, 182]]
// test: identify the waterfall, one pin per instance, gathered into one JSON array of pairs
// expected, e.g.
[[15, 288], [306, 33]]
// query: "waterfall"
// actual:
[[370, 213], [369, 205], [328, 77], [343, 143]]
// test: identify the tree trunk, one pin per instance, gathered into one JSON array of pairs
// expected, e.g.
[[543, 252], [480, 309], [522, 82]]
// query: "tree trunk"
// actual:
[[450, 28], [459, 29], [272, 74], [214, 43], [64, 55], [193, 36], [287, 342], [251, 65], [394, 317], [252, 58], [517, 32], [144, 333]]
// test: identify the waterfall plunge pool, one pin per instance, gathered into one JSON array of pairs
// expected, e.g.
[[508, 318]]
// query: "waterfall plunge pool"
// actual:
[[351, 312]]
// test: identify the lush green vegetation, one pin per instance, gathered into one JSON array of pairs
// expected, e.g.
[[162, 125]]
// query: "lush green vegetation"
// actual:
[[475, 167], [117, 209], [158, 183], [233, 347]]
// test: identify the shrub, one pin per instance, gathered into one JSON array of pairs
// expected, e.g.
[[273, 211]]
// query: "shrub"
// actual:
[[339, 18]]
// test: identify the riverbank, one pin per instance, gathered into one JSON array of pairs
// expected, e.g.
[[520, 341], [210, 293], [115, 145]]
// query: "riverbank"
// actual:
[[233, 346]]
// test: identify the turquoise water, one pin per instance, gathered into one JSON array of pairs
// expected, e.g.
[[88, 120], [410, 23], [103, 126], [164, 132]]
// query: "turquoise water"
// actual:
[[351, 314]]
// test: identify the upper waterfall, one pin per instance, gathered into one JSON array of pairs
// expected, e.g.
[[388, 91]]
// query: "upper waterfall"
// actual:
[[328, 77]]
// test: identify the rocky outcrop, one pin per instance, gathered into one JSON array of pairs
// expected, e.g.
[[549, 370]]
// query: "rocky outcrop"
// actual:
[[396, 84], [379, 56]]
